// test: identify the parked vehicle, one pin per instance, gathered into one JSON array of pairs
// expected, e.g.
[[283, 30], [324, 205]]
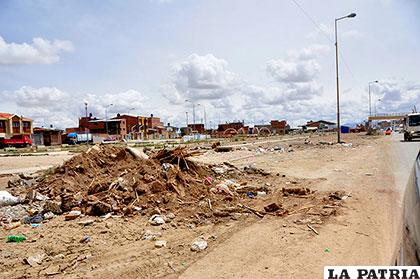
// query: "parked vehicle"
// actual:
[[388, 132], [16, 141], [411, 126], [74, 138]]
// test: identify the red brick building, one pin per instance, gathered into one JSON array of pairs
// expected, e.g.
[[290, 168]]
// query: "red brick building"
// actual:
[[199, 128]]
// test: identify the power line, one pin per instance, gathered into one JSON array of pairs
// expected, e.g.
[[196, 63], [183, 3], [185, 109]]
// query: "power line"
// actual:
[[329, 39]]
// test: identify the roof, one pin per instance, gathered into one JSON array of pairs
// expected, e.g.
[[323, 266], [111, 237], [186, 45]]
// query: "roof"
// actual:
[[6, 115], [102, 120]]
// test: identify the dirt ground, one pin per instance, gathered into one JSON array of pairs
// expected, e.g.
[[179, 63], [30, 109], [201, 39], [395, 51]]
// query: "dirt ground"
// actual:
[[242, 245]]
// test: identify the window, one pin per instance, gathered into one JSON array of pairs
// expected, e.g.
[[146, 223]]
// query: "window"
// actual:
[[26, 124], [414, 120], [1, 124], [16, 124]]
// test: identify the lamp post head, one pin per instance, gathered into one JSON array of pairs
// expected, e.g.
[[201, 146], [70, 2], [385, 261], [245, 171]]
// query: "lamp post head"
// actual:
[[352, 15]]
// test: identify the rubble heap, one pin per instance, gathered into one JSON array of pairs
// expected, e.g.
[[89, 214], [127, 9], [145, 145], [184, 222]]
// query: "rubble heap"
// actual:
[[110, 179]]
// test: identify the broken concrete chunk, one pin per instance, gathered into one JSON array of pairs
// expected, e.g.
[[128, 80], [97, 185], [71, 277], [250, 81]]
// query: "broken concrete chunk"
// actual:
[[72, 215], [199, 244], [160, 243], [156, 220], [272, 207]]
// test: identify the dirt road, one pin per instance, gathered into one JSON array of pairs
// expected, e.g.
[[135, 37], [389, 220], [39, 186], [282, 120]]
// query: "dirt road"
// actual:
[[365, 235]]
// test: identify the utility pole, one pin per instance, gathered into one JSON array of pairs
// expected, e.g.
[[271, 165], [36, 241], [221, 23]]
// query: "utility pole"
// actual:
[[186, 115], [86, 118], [106, 118], [336, 72]]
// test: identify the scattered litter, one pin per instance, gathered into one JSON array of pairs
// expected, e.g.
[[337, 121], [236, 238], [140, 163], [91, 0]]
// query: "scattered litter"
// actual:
[[35, 225], [11, 226], [261, 194], [49, 215], [15, 238], [369, 174], [296, 191], [85, 239], [312, 229], [34, 219], [327, 250], [8, 199], [250, 195]]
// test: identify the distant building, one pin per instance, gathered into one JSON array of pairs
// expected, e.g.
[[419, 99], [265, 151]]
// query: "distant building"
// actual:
[[13, 124], [124, 126], [320, 125], [47, 136], [199, 128]]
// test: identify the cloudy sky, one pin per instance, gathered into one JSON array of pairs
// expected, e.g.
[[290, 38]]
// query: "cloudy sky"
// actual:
[[249, 60]]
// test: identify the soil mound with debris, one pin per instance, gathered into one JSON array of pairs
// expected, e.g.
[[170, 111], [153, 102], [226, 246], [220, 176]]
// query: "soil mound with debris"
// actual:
[[111, 179]]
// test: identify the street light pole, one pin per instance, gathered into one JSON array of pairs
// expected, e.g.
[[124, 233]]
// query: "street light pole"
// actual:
[[106, 117], [336, 72], [186, 115]]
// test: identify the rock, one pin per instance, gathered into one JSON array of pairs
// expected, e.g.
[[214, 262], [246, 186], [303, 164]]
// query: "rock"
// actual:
[[160, 243], [149, 235], [35, 260], [272, 207], [11, 226], [51, 270], [170, 215], [52, 206], [157, 187], [86, 222], [223, 149], [199, 244], [101, 208], [72, 215], [156, 220]]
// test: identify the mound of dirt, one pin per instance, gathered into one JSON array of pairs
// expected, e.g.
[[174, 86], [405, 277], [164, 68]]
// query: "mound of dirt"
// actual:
[[109, 179]]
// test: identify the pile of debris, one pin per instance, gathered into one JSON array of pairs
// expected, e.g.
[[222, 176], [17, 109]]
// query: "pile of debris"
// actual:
[[110, 179], [116, 180]]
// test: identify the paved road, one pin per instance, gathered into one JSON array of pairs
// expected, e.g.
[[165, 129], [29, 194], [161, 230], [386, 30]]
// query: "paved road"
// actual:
[[404, 155]]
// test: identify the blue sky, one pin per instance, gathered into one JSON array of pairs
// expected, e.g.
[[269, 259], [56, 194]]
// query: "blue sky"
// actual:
[[251, 60]]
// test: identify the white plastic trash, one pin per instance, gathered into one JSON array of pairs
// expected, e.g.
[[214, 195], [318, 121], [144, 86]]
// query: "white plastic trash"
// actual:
[[8, 199]]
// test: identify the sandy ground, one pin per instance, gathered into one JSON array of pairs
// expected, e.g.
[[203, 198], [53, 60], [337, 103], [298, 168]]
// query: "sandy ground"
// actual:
[[363, 234]]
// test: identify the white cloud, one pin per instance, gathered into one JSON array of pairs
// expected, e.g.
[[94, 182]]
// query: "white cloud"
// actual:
[[40, 51], [395, 95], [202, 78], [298, 66], [293, 71]]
